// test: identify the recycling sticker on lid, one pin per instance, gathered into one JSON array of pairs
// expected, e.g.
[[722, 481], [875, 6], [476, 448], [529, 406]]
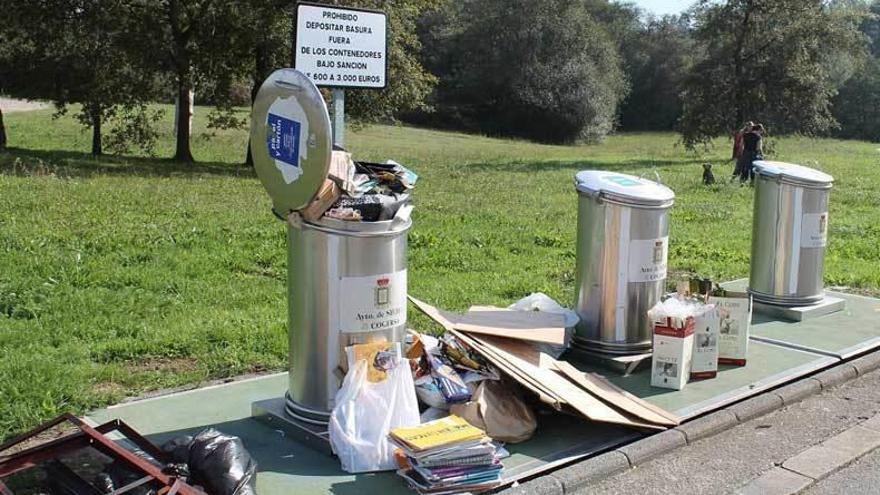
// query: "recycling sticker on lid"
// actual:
[[621, 180], [286, 137]]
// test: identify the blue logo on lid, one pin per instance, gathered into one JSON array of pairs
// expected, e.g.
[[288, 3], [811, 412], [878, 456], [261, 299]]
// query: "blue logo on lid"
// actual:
[[282, 139]]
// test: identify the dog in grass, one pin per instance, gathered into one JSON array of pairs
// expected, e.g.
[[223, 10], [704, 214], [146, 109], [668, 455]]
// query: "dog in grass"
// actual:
[[708, 176]]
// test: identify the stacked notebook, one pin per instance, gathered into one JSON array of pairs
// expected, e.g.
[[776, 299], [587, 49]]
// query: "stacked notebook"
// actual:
[[447, 456]]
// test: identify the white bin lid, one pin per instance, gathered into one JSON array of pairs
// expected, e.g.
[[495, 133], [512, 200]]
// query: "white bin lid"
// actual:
[[291, 140], [623, 188], [796, 174]]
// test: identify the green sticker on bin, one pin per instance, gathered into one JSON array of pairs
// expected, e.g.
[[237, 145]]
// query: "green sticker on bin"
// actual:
[[622, 181]]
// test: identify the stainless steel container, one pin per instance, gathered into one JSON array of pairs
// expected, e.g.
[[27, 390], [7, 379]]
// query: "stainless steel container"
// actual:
[[346, 280], [622, 250], [790, 232], [346, 285]]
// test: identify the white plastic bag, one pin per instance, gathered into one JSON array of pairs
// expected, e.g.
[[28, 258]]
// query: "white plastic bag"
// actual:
[[364, 414], [539, 301]]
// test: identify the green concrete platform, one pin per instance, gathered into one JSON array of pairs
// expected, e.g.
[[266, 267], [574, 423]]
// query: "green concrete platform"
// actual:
[[780, 352], [846, 333], [286, 466], [768, 366]]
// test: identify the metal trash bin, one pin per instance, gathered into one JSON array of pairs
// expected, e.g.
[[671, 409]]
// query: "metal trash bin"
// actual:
[[790, 232], [346, 280], [622, 250]]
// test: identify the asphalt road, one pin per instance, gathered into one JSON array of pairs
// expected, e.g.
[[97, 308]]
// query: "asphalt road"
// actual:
[[726, 462]]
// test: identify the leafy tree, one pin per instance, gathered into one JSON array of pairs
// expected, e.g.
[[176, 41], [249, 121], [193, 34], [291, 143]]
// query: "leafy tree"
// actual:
[[409, 83], [73, 51], [656, 61], [857, 106], [543, 70], [765, 60], [199, 44]]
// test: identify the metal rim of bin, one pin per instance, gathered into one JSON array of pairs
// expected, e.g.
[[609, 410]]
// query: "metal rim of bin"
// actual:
[[331, 226], [605, 197]]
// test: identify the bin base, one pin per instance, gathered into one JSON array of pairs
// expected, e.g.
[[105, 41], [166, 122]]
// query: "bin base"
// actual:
[[622, 364], [825, 306], [608, 349], [770, 299], [273, 412], [305, 414]]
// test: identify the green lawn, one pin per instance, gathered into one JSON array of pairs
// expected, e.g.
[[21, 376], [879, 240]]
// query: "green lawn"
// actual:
[[123, 275]]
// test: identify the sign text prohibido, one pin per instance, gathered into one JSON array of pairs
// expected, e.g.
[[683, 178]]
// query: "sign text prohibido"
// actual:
[[341, 47]]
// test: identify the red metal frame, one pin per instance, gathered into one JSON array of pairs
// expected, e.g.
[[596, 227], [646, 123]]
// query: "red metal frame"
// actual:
[[87, 436]]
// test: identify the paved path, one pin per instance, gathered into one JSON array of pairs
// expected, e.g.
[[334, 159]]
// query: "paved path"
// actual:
[[862, 477], [9, 105], [732, 460]]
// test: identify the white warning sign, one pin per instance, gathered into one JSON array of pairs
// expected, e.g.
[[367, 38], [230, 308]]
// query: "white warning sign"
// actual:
[[647, 259], [372, 304], [341, 47]]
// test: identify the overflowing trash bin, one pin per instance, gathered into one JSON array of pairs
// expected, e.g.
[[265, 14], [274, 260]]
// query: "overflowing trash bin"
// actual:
[[347, 245], [790, 233], [622, 250]]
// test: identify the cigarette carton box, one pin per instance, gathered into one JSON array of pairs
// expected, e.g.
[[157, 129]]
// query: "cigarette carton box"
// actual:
[[704, 363], [735, 314], [673, 349]]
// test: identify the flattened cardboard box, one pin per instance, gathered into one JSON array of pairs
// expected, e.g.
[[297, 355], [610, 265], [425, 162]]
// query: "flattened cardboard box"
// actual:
[[735, 314], [673, 351], [706, 332]]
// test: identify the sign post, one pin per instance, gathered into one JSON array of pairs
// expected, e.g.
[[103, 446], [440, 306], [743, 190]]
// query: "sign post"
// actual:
[[338, 119], [341, 47]]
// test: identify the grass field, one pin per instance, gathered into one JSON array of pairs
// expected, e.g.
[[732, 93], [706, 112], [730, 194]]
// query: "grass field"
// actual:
[[123, 275]]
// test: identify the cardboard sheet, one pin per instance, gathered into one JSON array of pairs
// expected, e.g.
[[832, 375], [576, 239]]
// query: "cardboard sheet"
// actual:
[[531, 326], [535, 371], [616, 396]]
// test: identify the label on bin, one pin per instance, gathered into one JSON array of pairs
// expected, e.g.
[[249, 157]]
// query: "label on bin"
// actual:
[[372, 304], [647, 259], [286, 131], [814, 230]]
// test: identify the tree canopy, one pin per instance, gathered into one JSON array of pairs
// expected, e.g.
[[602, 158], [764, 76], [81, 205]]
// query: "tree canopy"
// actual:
[[766, 60], [543, 70], [857, 106], [74, 51]]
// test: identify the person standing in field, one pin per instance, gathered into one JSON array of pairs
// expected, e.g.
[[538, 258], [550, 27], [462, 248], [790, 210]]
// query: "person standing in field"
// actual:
[[738, 147], [753, 149]]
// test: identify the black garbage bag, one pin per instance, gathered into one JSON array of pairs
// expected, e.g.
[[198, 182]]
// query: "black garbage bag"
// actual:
[[217, 461]]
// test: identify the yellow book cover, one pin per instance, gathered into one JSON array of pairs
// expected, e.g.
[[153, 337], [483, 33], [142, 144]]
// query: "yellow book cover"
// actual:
[[437, 433]]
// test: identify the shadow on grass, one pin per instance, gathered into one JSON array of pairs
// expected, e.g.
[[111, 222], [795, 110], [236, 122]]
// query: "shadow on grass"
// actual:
[[61, 163], [577, 165]]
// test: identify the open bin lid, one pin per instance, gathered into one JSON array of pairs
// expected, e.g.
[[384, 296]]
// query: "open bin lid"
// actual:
[[793, 174], [624, 189], [291, 140]]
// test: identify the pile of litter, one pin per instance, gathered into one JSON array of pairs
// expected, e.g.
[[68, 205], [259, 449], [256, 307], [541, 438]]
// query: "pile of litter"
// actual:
[[361, 191], [512, 340], [447, 455]]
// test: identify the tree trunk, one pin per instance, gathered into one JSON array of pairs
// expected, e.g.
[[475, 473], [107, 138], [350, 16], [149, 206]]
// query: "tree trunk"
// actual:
[[97, 147], [182, 152], [738, 67], [2, 132]]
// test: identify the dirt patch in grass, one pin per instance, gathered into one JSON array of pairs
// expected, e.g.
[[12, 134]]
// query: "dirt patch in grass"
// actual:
[[171, 365], [108, 389]]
